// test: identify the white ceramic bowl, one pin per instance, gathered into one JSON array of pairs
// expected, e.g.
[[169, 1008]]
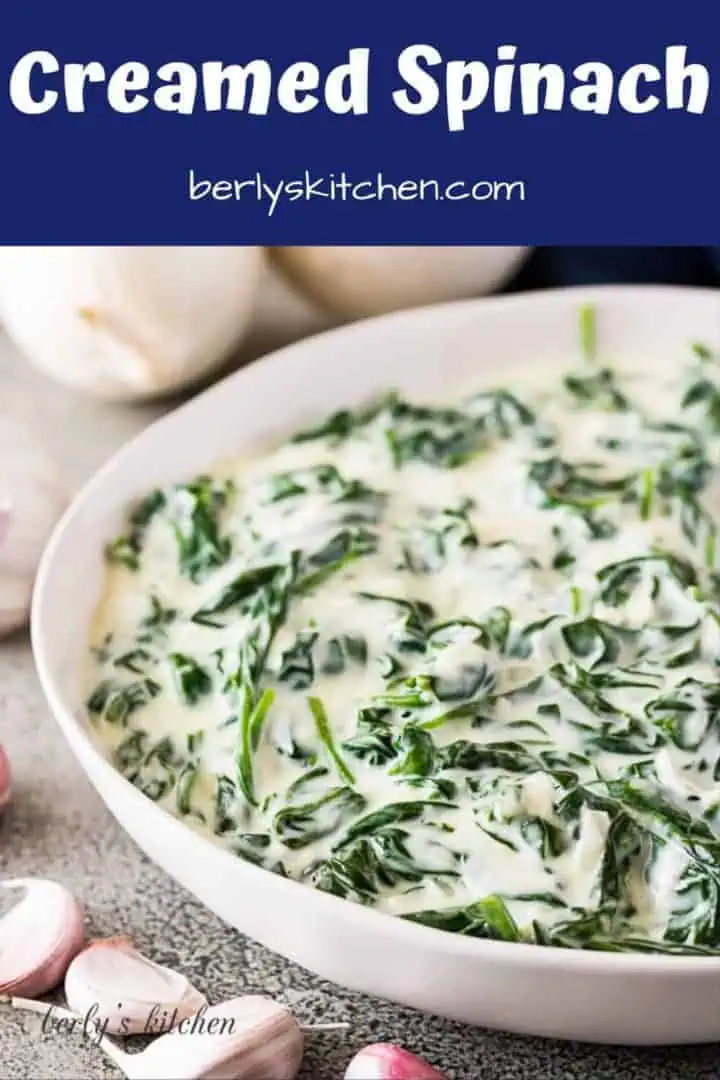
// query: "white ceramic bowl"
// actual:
[[523, 988]]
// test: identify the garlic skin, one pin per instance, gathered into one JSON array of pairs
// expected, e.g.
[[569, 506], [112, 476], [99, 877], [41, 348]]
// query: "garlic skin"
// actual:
[[31, 501], [360, 281], [124, 323], [126, 993], [5, 779], [383, 1061], [41, 930], [247, 1038]]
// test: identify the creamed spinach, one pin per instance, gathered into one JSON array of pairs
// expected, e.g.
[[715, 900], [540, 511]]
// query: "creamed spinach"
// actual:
[[457, 661]]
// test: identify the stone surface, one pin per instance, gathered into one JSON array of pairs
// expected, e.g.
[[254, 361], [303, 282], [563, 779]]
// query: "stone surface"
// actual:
[[57, 827]]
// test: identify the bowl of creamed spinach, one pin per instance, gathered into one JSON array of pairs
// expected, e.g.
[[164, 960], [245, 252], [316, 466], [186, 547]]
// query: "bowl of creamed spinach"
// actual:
[[454, 658]]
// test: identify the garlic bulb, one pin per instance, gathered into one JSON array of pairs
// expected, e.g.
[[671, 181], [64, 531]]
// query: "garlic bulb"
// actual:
[[127, 322], [41, 930], [126, 993], [5, 778], [359, 281], [383, 1061], [31, 500], [247, 1038]]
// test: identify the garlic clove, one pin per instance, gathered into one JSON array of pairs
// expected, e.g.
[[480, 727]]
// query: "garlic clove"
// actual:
[[5, 778], [126, 993], [41, 930], [383, 1061], [247, 1038], [31, 501]]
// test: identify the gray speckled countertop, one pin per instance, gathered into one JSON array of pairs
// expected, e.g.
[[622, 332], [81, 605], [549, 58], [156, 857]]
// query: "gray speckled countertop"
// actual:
[[57, 827]]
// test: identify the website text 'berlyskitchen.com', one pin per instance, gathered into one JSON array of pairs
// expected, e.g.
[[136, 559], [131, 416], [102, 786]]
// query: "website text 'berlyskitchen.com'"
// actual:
[[339, 187]]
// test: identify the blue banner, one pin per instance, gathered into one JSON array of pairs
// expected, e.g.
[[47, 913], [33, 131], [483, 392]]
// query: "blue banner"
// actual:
[[392, 122]]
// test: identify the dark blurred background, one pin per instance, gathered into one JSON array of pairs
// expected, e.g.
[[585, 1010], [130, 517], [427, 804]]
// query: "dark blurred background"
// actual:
[[553, 266]]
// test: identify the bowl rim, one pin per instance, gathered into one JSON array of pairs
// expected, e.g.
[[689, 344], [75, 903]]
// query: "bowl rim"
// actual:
[[523, 954]]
